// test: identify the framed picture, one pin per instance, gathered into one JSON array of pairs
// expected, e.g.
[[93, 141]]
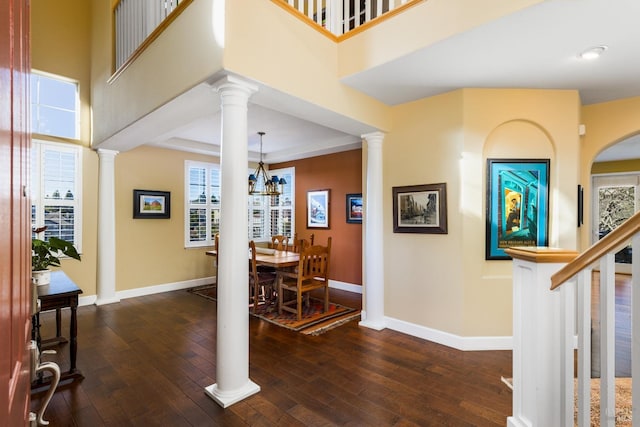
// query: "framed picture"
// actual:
[[420, 209], [318, 209], [354, 208], [517, 205], [151, 204]]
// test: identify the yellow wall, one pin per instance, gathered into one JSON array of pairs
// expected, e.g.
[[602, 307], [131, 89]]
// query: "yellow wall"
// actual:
[[435, 281], [605, 124], [443, 281], [185, 54], [286, 54], [151, 251], [61, 46]]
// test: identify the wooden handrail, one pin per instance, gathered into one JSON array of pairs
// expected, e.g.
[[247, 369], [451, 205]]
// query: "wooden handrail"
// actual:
[[607, 244]]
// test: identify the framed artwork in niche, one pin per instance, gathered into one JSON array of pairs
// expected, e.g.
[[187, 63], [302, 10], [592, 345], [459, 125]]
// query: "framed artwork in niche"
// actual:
[[517, 205]]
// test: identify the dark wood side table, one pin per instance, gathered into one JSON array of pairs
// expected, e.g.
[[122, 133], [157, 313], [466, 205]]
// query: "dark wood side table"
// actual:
[[60, 293]]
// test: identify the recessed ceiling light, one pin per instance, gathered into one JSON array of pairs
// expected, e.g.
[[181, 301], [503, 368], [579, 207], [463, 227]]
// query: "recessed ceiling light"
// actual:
[[593, 52]]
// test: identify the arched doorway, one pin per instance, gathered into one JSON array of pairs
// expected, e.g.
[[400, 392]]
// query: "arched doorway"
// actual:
[[615, 176]]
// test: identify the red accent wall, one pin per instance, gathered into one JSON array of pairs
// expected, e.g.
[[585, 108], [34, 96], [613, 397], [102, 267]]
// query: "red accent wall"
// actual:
[[342, 174]]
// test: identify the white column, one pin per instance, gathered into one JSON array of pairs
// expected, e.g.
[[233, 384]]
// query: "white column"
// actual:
[[106, 263], [232, 352], [373, 235]]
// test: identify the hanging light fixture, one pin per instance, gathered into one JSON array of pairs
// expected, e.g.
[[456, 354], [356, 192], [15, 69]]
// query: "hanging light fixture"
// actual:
[[269, 185]]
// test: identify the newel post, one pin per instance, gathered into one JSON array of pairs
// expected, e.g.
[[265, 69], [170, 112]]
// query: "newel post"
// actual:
[[543, 339]]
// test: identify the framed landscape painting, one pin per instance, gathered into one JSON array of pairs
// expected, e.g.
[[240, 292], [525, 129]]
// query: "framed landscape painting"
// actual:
[[517, 205], [151, 204], [420, 209]]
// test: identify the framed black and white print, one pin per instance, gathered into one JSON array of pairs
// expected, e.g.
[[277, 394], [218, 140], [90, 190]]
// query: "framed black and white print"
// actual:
[[420, 209]]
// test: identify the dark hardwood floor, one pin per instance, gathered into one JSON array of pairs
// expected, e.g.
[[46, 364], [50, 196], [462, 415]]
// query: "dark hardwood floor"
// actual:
[[622, 325], [147, 360]]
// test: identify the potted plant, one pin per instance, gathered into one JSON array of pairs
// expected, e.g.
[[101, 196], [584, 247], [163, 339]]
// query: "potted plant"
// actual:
[[45, 254]]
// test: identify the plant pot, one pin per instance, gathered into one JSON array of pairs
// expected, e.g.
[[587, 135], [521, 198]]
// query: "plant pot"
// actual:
[[41, 277]]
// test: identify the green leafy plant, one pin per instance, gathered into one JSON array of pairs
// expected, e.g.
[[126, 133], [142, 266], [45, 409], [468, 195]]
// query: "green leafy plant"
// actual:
[[46, 253]]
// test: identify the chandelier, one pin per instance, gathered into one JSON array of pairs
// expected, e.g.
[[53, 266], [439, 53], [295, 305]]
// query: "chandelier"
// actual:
[[259, 182]]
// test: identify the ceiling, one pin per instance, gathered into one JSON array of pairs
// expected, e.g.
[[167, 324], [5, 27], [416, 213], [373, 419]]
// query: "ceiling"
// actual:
[[537, 47]]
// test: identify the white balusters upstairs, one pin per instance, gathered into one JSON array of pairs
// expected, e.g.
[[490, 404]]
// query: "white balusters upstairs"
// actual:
[[134, 21], [341, 16]]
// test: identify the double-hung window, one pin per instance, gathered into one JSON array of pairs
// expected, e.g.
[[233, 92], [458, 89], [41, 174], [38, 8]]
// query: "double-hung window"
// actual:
[[268, 215], [202, 203], [56, 190], [273, 215]]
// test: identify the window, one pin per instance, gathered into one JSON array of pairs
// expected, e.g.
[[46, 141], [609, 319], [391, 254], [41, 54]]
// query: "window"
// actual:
[[273, 215], [202, 204], [56, 190], [268, 215], [54, 106]]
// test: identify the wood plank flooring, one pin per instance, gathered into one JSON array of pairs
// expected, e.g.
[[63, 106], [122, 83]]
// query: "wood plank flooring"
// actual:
[[147, 360], [622, 325]]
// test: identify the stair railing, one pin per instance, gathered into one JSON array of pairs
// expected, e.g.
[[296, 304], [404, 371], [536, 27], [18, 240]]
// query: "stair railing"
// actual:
[[551, 308]]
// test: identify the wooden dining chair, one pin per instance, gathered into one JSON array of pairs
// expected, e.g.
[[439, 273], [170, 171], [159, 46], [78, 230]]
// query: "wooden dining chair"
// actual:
[[279, 243], [261, 283], [299, 244], [312, 273]]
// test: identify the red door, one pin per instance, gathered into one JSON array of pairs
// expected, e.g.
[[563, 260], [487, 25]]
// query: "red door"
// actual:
[[15, 224]]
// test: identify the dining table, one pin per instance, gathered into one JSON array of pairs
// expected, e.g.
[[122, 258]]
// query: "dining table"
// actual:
[[271, 258]]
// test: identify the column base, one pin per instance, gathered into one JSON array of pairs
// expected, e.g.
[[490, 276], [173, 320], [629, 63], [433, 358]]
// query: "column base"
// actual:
[[516, 422], [104, 301], [373, 324], [228, 398]]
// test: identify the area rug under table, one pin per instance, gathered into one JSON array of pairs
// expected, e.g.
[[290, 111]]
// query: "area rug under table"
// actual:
[[314, 321]]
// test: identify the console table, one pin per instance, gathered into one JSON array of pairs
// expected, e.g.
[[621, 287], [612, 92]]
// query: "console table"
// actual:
[[60, 293]]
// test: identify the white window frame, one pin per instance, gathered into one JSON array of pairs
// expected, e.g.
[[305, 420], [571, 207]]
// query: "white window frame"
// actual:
[[209, 206], [267, 208], [38, 199], [35, 105]]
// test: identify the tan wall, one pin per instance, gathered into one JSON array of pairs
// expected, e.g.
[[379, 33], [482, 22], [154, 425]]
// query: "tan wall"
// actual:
[[606, 124], [286, 54], [443, 281], [61, 46], [341, 173], [151, 251], [186, 54], [435, 281]]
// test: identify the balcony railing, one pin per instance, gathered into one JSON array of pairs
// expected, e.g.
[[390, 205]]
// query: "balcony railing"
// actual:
[[551, 308], [339, 17], [138, 22]]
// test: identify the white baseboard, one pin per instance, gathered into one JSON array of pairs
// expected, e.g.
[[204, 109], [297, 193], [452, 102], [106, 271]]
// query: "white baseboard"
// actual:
[[423, 332], [450, 340], [150, 290], [344, 286]]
